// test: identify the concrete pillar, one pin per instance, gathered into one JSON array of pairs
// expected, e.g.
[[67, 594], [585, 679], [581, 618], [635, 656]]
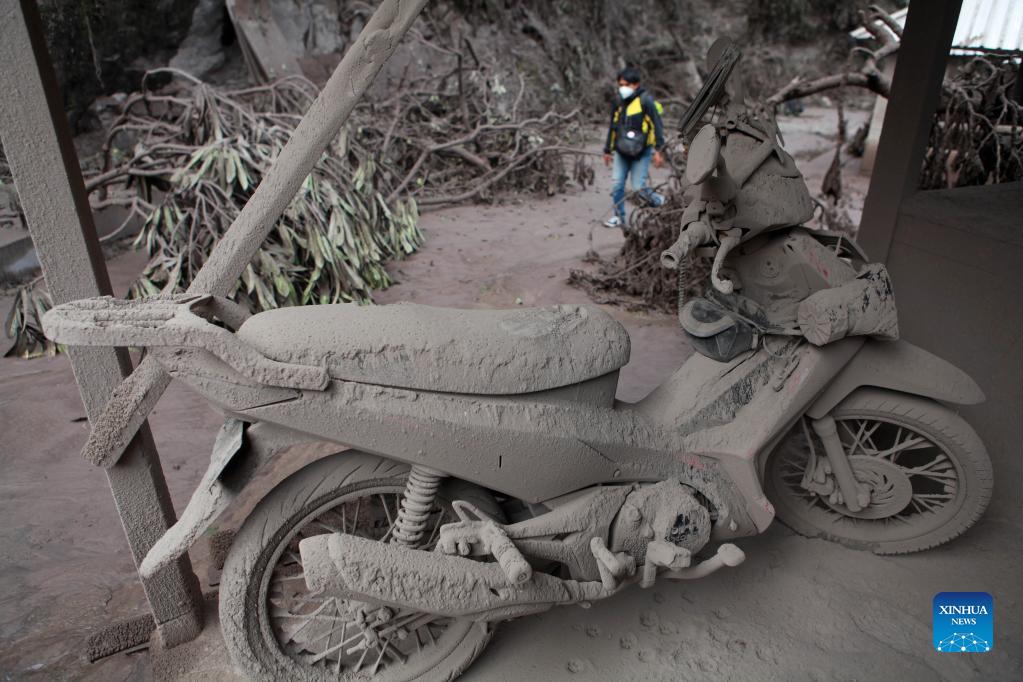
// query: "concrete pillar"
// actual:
[[38, 145], [916, 89]]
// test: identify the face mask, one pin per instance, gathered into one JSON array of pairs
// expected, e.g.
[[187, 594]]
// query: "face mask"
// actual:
[[625, 91]]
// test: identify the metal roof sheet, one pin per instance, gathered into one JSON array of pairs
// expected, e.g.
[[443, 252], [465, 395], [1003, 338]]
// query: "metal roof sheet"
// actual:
[[984, 26]]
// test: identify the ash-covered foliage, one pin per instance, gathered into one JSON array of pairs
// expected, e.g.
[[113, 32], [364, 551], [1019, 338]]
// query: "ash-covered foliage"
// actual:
[[185, 157], [185, 160], [208, 149], [977, 136]]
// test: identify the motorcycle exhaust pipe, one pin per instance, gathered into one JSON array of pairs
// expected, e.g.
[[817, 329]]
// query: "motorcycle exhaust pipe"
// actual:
[[394, 575]]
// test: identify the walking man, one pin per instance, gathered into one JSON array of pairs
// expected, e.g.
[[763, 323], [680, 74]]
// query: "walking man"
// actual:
[[634, 139]]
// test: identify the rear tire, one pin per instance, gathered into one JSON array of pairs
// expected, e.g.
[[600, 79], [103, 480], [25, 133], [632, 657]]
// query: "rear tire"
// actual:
[[253, 568], [947, 475]]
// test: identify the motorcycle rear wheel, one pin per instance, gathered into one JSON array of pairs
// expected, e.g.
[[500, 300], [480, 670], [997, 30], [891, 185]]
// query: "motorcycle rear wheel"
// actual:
[[928, 470], [275, 629]]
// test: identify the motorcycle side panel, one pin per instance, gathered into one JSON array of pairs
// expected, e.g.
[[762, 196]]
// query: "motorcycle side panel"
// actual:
[[899, 366], [739, 417], [705, 426], [535, 447], [499, 442]]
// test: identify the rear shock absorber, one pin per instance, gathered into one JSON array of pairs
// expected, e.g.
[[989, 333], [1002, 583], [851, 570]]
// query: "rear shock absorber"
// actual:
[[416, 505]]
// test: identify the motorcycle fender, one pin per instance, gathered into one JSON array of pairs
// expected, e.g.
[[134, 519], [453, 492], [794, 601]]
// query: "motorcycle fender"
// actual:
[[899, 366], [208, 501], [241, 451]]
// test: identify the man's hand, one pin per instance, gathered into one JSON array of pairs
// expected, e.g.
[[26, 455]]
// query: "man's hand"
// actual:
[[607, 160], [658, 159]]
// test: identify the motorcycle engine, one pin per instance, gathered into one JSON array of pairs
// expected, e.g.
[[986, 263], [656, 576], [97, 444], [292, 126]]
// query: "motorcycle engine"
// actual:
[[668, 511]]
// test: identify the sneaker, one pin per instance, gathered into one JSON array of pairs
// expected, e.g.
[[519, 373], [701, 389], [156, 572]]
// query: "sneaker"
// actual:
[[614, 221], [651, 198]]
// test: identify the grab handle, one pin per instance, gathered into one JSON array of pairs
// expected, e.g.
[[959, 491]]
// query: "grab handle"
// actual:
[[171, 322]]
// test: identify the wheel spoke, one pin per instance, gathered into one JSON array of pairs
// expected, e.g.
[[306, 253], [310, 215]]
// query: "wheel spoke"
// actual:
[[860, 435], [940, 469], [300, 600], [793, 477], [330, 637], [933, 501], [355, 520], [869, 440], [300, 576], [926, 504], [303, 626], [344, 630], [358, 665], [891, 452], [326, 527], [435, 532], [330, 634], [900, 518], [287, 614], [940, 460], [387, 511], [944, 479], [414, 622], [383, 650], [855, 436], [291, 559]]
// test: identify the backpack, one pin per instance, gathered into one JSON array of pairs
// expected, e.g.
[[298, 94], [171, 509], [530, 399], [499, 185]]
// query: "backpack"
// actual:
[[630, 142]]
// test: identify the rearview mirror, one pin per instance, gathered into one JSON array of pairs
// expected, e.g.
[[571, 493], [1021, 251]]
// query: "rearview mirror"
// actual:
[[703, 155]]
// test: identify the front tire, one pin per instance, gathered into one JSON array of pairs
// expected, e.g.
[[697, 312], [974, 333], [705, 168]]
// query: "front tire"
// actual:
[[276, 630], [928, 470]]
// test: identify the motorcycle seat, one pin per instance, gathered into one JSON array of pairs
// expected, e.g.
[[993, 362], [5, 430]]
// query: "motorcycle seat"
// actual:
[[406, 345]]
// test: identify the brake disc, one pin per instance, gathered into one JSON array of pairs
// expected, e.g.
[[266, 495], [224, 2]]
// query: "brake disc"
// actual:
[[890, 488]]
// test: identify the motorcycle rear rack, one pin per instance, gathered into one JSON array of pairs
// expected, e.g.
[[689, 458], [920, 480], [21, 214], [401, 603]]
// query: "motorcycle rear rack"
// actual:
[[178, 321]]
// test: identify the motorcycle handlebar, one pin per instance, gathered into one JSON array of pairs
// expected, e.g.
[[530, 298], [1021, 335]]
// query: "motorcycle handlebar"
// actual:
[[671, 256], [693, 234]]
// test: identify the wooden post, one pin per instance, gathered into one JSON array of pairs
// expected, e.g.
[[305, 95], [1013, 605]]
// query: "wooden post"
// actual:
[[38, 145], [916, 89]]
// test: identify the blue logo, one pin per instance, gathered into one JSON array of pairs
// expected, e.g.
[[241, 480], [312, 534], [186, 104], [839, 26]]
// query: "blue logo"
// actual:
[[964, 622]]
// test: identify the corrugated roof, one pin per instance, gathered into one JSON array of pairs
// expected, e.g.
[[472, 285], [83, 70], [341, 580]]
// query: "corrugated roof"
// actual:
[[984, 26]]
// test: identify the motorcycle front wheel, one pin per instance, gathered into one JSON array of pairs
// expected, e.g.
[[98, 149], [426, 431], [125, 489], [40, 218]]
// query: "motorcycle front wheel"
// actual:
[[927, 470], [275, 628]]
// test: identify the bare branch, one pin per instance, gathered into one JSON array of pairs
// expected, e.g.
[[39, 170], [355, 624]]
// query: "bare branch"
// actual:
[[870, 75]]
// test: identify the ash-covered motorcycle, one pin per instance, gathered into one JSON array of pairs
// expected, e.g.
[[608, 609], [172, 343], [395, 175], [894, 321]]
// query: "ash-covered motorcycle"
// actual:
[[492, 473]]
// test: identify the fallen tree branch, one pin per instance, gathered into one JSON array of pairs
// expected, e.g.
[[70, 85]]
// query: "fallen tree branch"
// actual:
[[886, 33], [115, 428]]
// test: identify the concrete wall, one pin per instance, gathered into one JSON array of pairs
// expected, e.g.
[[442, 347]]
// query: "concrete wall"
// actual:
[[956, 260]]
